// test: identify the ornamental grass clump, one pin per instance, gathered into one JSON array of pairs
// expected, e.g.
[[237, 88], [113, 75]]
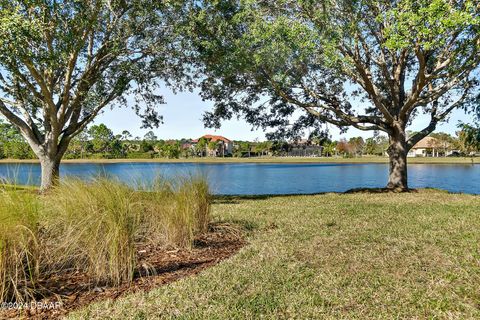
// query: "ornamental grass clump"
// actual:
[[19, 249], [92, 228], [175, 211], [194, 197], [95, 227]]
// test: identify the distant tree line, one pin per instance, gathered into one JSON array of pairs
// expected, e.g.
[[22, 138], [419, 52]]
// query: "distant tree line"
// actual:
[[99, 142], [465, 143]]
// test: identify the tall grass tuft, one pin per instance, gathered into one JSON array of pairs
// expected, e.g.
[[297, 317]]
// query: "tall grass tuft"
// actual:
[[19, 250], [175, 211], [194, 195], [94, 226]]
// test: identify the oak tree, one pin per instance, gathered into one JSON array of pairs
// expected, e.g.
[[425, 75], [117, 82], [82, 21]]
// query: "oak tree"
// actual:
[[63, 62], [368, 64]]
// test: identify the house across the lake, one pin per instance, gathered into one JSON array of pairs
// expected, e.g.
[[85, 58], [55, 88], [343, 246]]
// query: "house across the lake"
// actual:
[[430, 147], [216, 146]]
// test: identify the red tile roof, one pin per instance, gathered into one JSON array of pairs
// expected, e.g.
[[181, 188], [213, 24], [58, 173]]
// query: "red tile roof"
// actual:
[[213, 138]]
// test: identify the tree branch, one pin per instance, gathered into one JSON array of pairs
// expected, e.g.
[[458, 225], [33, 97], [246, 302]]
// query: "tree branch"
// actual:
[[26, 131]]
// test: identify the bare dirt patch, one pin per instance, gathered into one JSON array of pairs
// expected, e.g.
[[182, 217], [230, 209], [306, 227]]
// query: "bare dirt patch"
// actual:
[[156, 266]]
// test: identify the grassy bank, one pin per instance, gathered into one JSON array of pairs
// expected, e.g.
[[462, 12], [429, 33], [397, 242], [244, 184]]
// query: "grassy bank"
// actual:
[[365, 159], [333, 256]]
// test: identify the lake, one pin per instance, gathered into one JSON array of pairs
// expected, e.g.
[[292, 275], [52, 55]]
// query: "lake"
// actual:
[[266, 178]]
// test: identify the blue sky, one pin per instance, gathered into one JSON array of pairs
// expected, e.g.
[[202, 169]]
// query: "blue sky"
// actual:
[[183, 113]]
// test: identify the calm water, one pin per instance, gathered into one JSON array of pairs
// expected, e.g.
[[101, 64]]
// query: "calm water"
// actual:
[[256, 178]]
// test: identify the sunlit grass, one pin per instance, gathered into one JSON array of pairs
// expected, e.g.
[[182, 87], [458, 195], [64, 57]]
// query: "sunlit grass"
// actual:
[[175, 211], [92, 227], [19, 250], [333, 256]]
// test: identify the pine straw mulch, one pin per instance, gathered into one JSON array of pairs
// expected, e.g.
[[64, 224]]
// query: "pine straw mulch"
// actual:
[[156, 267]]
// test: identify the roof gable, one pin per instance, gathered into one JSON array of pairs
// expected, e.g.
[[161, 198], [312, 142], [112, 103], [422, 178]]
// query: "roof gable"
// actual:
[[427, 142]]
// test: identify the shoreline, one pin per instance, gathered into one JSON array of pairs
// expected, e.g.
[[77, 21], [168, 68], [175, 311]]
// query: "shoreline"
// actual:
[[279, 160]]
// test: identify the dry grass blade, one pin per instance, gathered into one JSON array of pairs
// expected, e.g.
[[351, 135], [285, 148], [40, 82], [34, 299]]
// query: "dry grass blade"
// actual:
[[176, 212], [19, 264], [94, 225]]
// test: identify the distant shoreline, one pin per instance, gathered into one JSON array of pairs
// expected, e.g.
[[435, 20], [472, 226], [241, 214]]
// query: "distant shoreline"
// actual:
[[365, 159]]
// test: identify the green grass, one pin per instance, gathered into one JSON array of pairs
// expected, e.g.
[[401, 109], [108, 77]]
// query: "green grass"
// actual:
[[364, 159], [333, 256]]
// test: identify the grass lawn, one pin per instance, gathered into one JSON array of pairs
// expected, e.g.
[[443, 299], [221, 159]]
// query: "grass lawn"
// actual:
[[381, 256], [364, 159]]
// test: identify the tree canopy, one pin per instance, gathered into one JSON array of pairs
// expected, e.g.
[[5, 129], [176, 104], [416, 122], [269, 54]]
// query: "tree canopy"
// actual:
[[356, 63], [372, 65]]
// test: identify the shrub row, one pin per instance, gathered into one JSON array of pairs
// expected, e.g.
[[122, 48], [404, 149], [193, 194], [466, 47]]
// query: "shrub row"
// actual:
[[93, 227]]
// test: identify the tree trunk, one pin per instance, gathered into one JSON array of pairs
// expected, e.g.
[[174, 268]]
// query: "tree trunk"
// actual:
[[397, 152], [50, 166]]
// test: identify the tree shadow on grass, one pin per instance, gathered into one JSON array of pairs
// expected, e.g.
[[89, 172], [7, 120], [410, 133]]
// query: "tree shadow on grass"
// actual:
[[236, 199], [377, 190]]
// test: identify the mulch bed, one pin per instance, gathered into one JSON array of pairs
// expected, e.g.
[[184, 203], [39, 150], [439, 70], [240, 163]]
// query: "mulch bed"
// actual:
[[156, 267]]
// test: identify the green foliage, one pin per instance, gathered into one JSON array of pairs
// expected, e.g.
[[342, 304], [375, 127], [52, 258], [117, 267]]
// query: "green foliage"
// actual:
[[12, 144], [426, 22], [102, 141], [79, 146], [202, 146], [146, 146], [117, 148], [329, 148], [444, 141], [170, 150], [280, 147], [357, 144], [376, 146], [469, 138], [293, 65], [139, 155], [212, 146], [150, 136], [262, 148], [64, 62], [100, 136], [243, 148]]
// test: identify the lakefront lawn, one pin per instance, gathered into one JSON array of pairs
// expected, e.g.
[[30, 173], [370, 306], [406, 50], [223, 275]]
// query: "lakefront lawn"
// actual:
[[383, 256]]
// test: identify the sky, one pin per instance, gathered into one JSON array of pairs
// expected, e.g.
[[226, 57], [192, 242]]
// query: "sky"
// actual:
[[183, 112]]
